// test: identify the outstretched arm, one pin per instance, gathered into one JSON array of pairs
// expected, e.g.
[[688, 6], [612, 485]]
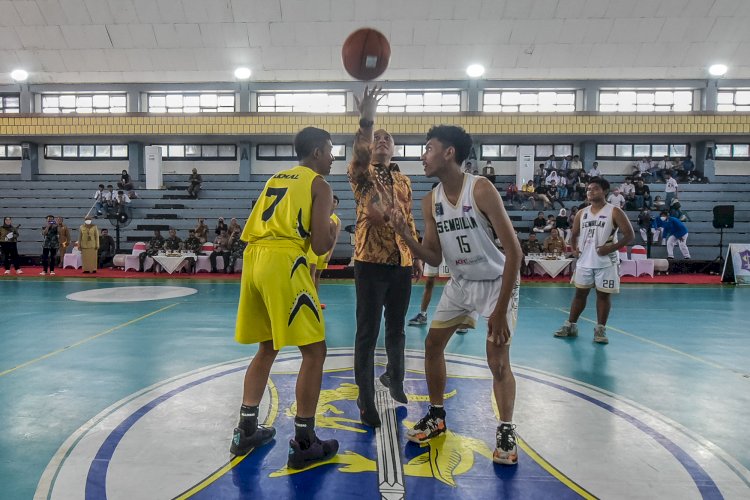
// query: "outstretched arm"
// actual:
[[362, 154], [429, 250]]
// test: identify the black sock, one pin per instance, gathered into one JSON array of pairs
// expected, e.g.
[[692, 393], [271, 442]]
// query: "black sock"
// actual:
[[304, 431], [248, 419], [437, 411]]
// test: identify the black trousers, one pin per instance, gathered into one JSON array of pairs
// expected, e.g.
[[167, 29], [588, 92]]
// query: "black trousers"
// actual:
[[212, 260], [10, 252], [48, 259], [380, 287]]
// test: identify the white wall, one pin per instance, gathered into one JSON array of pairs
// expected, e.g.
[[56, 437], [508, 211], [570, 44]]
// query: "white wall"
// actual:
[[204, 167], [99, 168], [10, 167], [732, 167], [613, 167]]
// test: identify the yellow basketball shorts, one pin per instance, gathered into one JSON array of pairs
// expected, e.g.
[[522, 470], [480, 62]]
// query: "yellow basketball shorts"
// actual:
[[319, 261], [278, 300]]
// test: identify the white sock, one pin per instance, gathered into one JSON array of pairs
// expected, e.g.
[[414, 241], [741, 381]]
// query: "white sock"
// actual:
[[423, 312]]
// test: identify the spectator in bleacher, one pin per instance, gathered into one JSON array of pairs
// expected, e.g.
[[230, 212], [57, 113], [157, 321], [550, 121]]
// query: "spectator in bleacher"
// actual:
[[562, 224], [576, 165], [553, 193], [675, 210], [101, 203], [627, 189], [50, 244], [539, 223], [617, 199], [675, 232], [594, 171], [236, 249], [565, 164], [562, 187], [540, 194], [665, 165], [9, 245], [553, 176], [193, 244], [195, 184], [646, 226], [670, 188], [530, 246], [121, 203], [155, 245], [221, 249], [687, 168], [642, 194], [174, 242], [554, 243], [538, 173], [201, 231], [512, 196], [572, 216], [88, 242], [550, 165], [221, 226], [107, 249], [234, 227], [658, 203], [125, 183], [643, 167], [468, 168], [489, 172], [579, 191], [109, 198]]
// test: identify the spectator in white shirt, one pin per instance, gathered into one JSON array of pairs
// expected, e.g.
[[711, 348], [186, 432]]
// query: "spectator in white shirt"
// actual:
[[616, 199], [670, 189], [627, 189], [122, 203], [594, 172], [566, 163], [644, 166], [101, 204], [576, 164], [109, 196], [550, 164], [562, 187]]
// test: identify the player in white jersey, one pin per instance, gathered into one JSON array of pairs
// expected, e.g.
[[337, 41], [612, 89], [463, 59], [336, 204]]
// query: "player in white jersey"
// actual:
[[594, 239], [460, 215]]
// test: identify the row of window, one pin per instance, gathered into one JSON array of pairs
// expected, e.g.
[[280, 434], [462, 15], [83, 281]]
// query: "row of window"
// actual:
[[445, 101], [86, 151], [509, 151], [10, 151], [732, 151], [201, 152], [638, 151]]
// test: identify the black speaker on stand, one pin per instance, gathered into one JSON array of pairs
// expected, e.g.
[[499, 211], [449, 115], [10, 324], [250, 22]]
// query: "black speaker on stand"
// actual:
[[723, 219]]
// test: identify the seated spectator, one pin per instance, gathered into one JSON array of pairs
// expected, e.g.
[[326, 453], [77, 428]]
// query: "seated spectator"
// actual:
[[616, 199], [468, 168], [687, 169], [642, 195], [643, 167], [109, 197], [221, 226], [528, 193], [550, 223], [595, 172], [195, 184], [193, 244], [658, 203], [126, 184], [221, 249], [511, 195], [572, 216], [646, 226], [174, 242], [155, 245], [576, 165], [675, 210], [562, 224], [554, 195], [121, 204], [580, 190], [554, 243], [234, 227], [550, 165], [565, 164], [489, 172], [562, 187], [539, 223], [101, 202], [107, 249], [627, 189], [236, 249], [662, 167], [201, 231], [553, 176], [541, 193], [531, 246]]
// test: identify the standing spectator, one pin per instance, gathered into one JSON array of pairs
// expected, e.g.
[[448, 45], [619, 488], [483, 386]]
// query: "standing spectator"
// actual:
[[221, 249], [383, 263], [627, 189], [594, 172], [88, 242], [174, 242], [670, 188], [101, 202], [195, 184], [221, 226], [489, 172], [63, 235], [675, 232], [201, 231], [154, 246], [234, 227], [642, 195], [9, 245], [107, 249], [616, 199], [49, 246]]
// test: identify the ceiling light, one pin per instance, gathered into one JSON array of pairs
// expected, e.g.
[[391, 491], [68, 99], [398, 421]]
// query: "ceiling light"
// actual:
[[718, 69], [242, 73], [19, 75], [475, 70]]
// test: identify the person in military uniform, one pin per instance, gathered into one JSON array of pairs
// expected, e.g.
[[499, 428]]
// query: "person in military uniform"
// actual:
[[9, 245], [154, 246], [236, 248], [192, 244], [221, 249], [529, 246], [174, 242]]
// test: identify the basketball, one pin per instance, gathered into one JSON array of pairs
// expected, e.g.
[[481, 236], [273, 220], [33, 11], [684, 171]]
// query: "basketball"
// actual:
[[365, 54]]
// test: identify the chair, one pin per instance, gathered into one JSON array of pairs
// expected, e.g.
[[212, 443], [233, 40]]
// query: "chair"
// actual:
[[73, 260], [131, 261], [627, 266], [643, 265], [202, 262]]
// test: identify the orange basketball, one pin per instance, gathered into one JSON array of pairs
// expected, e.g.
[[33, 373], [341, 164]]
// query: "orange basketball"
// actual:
[[365, 54]]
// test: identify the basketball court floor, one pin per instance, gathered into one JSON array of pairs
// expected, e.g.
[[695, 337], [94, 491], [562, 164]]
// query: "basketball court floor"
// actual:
[[131, 389]]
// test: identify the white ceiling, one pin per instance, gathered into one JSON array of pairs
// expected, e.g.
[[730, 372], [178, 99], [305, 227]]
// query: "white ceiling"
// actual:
[[300, 40]]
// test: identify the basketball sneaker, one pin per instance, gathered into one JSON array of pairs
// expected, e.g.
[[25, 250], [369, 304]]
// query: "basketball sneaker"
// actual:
[[243, 444], [431, 426], [418, 320], [316, 451], [506, 452], [18, 271], [600, 334], [567, 330]]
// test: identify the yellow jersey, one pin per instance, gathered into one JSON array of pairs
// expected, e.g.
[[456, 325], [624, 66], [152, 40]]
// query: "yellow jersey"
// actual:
[[282, 215]]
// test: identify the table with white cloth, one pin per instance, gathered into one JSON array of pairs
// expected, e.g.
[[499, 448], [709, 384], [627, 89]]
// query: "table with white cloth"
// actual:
[[171, 263], [550, 265]]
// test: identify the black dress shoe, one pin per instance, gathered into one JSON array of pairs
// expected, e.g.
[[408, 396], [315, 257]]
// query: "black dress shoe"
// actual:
[[368, 414], [397, 393]]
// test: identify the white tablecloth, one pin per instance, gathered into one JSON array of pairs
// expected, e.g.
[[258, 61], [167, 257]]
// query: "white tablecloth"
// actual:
[[553, 267], [172, 264]]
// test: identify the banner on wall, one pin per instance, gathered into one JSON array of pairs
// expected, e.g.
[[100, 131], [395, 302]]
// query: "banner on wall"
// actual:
[[737, 264]]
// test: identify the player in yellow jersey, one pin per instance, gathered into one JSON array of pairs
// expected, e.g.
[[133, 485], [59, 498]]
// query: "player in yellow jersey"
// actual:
[[319, 263], [278, 304]]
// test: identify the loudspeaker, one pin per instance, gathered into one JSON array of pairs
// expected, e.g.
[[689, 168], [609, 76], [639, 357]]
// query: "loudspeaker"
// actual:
[[724, 216]]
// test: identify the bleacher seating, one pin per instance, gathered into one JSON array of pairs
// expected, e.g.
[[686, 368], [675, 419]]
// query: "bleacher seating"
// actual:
[[70, 196]]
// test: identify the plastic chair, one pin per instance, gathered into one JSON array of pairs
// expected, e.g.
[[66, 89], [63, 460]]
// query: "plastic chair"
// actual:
[[644, 265], [131, 261], [627, 266], [73, 260]]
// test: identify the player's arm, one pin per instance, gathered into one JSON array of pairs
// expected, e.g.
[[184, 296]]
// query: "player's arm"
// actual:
[[335, 240], [362, 154], [322, 228], [491, 205], [628, 235], [575, 232], [429, 250]]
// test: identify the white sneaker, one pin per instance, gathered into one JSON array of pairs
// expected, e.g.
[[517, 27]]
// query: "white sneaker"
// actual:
[[600, 334], [8, 272], [567, 330], [18, 271], [52, 273], [42, 274]]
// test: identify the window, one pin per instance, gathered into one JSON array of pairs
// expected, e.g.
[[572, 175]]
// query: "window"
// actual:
[[84, 103], [286, 152], [406, 152], [301, 102], [86, 151], [645, 100], [10, 103], [732, 152], [498, 152], [198, 152], [420, 102], [191, 102], [638, 151], [529, 101], [10, 151], [733, 100]]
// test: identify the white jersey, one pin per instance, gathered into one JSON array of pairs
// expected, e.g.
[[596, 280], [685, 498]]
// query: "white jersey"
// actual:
[[466, 235], [597, 230]]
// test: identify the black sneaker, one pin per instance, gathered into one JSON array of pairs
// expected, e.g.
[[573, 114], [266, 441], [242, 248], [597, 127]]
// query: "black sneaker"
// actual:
[[506, 452], [431, 426], [397, 393], [243, 444], [368, 414], [318, 451]]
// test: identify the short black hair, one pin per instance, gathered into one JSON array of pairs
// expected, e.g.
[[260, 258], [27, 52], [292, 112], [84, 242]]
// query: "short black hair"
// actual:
[[452, 136], [308, 139], [601, 182]]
